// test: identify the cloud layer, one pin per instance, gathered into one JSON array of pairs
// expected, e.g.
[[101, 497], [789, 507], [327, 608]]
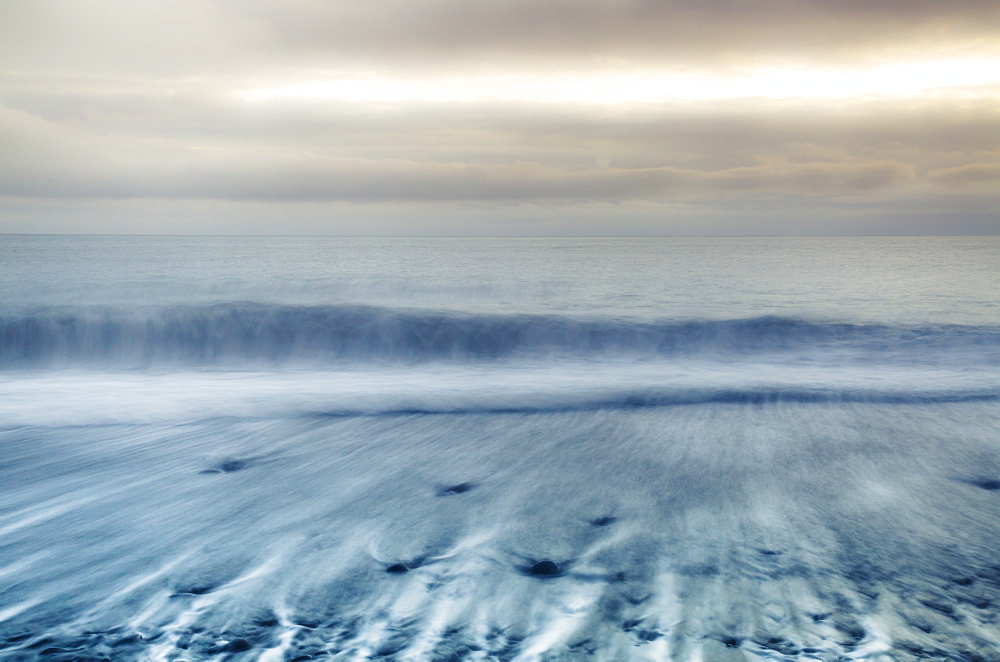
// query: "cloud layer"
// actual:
[[191, 37], [125, 101]]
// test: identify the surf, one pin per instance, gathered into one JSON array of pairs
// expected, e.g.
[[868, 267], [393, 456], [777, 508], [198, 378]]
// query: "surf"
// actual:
[[269, 334]]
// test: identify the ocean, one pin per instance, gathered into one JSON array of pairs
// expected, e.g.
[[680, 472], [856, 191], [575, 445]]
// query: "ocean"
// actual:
[[486, 449]]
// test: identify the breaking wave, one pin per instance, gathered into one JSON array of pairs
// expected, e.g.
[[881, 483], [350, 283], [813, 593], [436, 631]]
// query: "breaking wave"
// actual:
[[236, 333]]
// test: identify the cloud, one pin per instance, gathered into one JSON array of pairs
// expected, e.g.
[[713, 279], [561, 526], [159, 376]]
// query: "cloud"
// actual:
[[683, 32], [395, 181], [971, 176], [125, 102], [197, 37], [200, 146], [46, 159]]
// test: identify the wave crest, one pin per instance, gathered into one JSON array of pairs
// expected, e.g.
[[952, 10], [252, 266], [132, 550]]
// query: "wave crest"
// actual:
[[277, 334]]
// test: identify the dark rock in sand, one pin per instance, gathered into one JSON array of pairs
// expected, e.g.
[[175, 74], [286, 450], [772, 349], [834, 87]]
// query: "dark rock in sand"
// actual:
[[853, 633], [397, 568], [987, 484], [780, 645], [128, 640], [308, 623], [196, 590], [604, 521], [42, 643], [938, 606], [238, 646], [235, 646], [461, 488], [227, 467], [977, 601], [545, 569], [731, 642]]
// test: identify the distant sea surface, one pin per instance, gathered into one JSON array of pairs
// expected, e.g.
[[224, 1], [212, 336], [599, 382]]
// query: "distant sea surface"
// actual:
[[311, 448]]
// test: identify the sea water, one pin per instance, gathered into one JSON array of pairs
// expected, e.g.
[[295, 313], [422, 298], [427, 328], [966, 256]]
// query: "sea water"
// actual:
[[306, 448]]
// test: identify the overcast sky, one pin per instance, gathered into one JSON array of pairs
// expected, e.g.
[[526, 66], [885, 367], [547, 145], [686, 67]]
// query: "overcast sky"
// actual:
[[524, 117]]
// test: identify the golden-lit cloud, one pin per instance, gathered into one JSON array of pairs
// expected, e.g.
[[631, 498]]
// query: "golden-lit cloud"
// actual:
[[967, 77], [758, 107]]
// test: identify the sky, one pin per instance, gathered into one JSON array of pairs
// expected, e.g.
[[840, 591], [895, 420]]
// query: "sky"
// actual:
[[500, 117]]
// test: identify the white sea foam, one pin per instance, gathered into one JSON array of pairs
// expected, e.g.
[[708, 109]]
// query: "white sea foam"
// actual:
[[671, 532], [90, 397], [643, 455]]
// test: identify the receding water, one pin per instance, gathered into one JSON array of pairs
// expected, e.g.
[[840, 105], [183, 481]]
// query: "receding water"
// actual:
[[263, 448]]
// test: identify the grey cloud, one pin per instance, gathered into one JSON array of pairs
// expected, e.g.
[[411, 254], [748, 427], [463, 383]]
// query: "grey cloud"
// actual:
[[612, 31], [125, 102], [971, 176], [198, 146], [271, 38], [52, 161], [532, 182], [645, 135]]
